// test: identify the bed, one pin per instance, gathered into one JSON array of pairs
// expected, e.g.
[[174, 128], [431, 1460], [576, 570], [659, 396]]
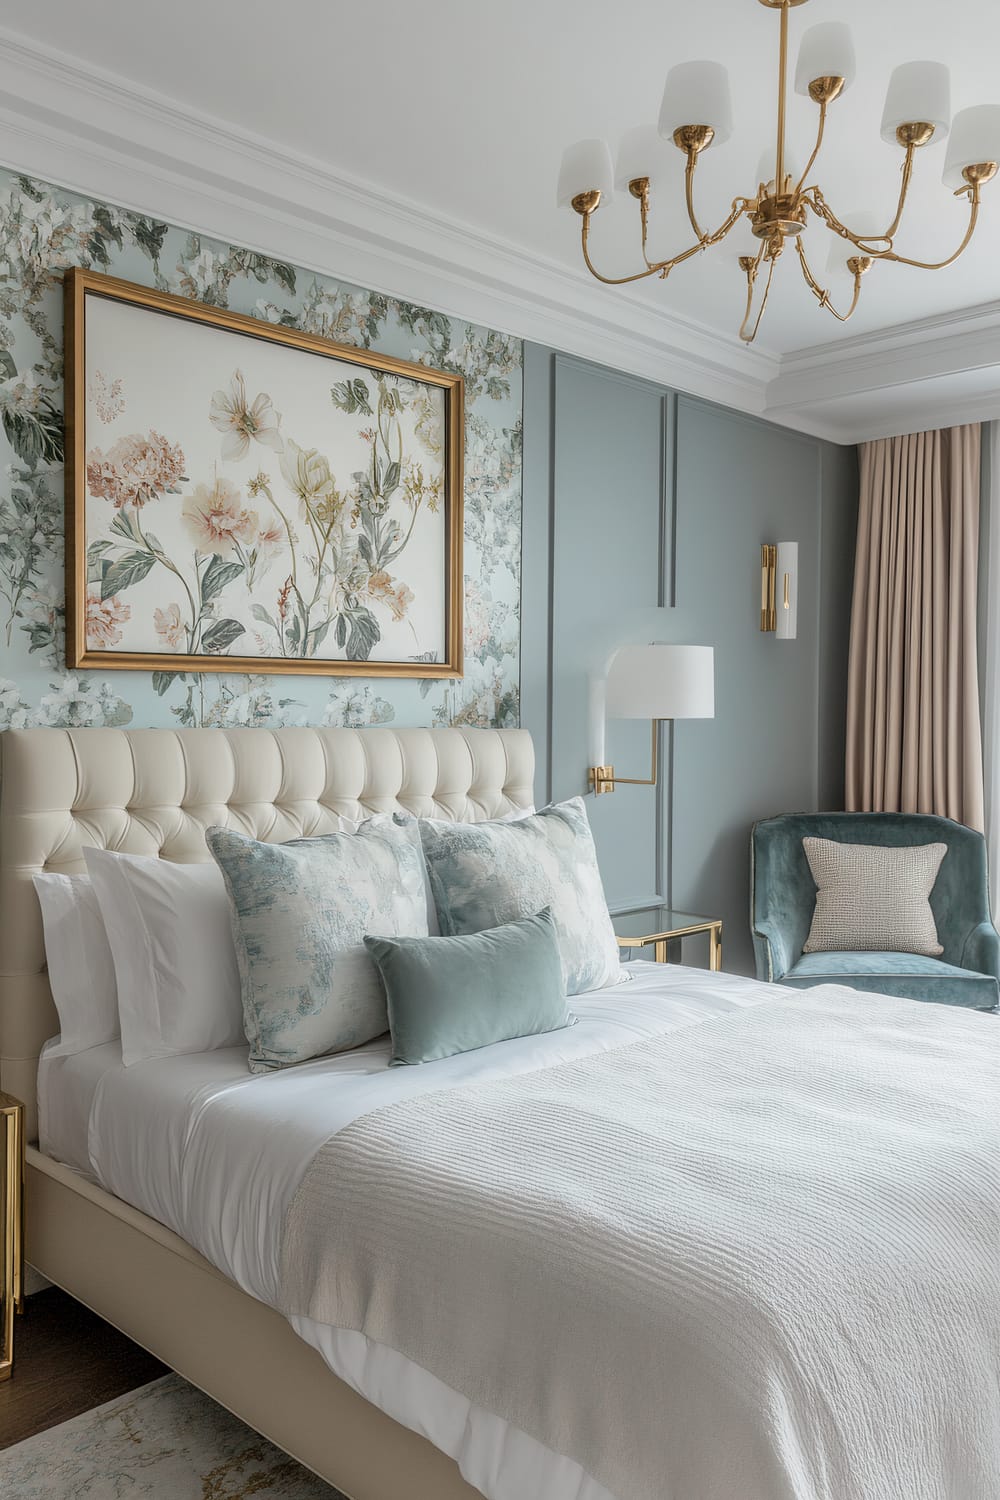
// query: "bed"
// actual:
[[149, 1202]]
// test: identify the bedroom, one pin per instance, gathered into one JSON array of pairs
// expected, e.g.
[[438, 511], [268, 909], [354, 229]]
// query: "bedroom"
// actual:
[[628, 464]]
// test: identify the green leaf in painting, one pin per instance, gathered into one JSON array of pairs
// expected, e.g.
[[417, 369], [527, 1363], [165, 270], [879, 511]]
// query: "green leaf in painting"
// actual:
[[364, 634], [341, 634], [122, 523], [125, 571], [352, 396], [318, 636], [162, 680], [391, 480], [221, 634], [260, 613], [365, 548], [97, 563], [7, 366], [216, 576]]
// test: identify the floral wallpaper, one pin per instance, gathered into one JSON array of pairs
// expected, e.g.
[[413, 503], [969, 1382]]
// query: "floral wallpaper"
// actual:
[[45, 229]]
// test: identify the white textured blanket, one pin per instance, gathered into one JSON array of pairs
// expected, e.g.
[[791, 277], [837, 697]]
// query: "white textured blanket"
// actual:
[[758, 1259]]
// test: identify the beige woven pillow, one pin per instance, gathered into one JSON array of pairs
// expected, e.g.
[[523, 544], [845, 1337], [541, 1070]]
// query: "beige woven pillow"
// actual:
[[871, 898]]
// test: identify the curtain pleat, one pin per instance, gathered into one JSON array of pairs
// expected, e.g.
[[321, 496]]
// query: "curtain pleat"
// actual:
[[913, 724]]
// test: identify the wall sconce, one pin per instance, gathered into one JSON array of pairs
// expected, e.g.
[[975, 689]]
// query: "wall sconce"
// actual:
[[779, 589], [653, 682]]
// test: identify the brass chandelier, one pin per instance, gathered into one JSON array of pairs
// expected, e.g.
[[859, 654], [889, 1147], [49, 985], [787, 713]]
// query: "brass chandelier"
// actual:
[[917, 111]]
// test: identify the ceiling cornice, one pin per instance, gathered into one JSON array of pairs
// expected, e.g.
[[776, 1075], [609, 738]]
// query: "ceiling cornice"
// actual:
[[91, 131]]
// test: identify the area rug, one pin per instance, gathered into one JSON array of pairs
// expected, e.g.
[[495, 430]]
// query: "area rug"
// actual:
[[164, 1441]]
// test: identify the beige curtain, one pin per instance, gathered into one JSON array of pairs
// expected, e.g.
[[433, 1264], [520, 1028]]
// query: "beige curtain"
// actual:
[[913, 729]]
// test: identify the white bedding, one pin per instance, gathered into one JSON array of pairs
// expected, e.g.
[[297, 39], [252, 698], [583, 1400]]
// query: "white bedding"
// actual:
[[216, 1154]]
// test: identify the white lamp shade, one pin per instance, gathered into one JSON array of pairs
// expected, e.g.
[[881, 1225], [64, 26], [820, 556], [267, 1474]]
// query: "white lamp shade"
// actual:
[[766, 167], [585, 166], [642, 153], [662, 682], [697, 93], [975, 138], [866, 225], [918, 91], [827, 51]]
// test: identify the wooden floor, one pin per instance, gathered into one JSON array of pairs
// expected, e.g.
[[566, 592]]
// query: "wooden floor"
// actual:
[[66, 1360]]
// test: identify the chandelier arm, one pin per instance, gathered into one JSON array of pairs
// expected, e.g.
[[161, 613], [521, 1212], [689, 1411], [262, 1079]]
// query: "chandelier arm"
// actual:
[[939, 265], [821, 294], [816, 149], [689, 171], [609, 280], [748, 338], [903, 190], [662, 267], [815, 200]]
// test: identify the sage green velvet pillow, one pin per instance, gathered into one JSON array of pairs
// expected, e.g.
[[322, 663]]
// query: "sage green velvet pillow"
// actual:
[[455, 994]]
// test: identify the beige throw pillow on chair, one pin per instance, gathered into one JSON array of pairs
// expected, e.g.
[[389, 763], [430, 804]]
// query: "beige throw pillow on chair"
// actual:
[[872, 898]]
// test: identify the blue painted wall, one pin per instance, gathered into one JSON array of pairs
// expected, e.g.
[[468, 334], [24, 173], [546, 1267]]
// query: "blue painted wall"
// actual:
[[639, 501]]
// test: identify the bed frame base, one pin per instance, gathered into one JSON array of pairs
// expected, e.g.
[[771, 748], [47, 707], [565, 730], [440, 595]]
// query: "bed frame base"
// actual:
[[153, 1286]]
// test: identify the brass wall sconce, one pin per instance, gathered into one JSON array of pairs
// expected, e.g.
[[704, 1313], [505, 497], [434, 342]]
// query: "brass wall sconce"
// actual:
[[779, 589]]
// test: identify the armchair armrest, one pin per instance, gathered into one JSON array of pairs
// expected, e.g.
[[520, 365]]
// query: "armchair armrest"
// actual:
[[981, 950], [774, 951]]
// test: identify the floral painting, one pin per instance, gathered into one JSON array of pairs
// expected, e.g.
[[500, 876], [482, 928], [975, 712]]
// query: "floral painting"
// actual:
[[250, 494], [46, 230]]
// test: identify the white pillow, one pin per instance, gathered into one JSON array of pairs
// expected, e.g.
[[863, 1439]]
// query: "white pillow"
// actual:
[[175, 964], [80, 963]]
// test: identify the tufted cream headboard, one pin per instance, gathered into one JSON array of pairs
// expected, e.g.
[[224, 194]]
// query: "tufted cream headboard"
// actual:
[[155, 791]]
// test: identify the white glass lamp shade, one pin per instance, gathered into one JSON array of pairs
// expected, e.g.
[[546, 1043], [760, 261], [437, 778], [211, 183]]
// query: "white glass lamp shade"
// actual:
[[827, 51], [918, 91], [975, 138], [642, 153], [697, 93], [662, 682], [585, 166], [866, 225]]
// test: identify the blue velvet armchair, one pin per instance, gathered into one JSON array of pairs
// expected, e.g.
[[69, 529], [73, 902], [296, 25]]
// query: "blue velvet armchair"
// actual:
[[783, 898]]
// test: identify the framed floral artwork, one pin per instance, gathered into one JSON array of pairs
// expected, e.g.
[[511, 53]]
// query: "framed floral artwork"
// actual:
[[245, 497]]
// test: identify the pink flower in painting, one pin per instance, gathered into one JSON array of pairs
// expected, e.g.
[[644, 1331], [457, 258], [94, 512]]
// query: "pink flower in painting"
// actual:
[[270, 538], [230, 414], [103, 618], [169, 626], [135, 469], [216, 518], [107, 396], [380, 586]]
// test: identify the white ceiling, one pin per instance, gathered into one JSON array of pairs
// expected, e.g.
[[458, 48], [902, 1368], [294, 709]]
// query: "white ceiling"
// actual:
[[450, 118]]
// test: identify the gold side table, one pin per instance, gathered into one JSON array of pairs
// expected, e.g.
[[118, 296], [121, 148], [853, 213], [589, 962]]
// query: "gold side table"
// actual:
[[660, 926], [12, 1288]]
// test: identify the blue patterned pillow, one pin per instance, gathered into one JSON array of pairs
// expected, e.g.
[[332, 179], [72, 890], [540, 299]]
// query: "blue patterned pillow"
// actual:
[[485, 874], [300, 912]]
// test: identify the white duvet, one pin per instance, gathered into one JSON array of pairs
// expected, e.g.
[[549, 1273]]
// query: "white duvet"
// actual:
[[217, 1155]]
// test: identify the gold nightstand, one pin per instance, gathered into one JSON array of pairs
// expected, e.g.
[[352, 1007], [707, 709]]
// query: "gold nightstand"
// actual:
[[659, 926], [12, 1225]]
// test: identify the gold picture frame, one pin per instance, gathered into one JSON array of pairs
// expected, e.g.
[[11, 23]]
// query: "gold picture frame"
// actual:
[[312, 569]]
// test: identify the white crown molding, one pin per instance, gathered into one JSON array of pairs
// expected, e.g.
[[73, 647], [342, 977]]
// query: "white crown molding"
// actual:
[[96, 133]]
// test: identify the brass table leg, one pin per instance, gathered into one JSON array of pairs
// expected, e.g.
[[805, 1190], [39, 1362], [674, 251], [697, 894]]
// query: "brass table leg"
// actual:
[[12, 1291], [715, 947]]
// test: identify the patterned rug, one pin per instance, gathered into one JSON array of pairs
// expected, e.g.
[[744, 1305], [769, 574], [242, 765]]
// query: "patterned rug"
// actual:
[[165, 1441]]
